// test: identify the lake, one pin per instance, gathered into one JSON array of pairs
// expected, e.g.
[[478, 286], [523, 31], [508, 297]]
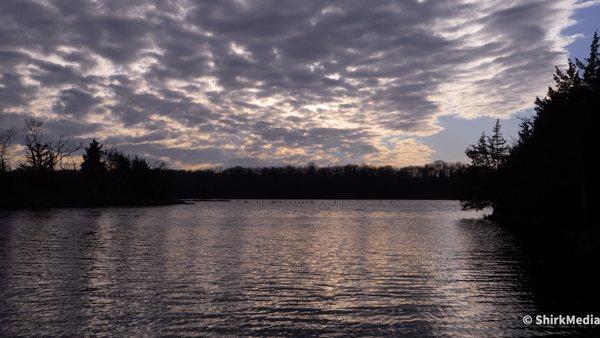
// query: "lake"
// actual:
[[261, 268]]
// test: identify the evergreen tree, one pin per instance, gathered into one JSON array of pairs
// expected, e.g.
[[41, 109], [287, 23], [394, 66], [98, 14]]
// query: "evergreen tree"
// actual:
[[479, 153], [525, 130], [497, 147], [139, 165], [117, 162], [591, 67], [547, 177], [490, 152], [93, 164]]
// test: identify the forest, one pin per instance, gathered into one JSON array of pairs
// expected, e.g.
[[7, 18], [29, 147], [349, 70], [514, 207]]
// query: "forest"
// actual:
[[107, 177], [46, 177], [541, 188], [547, 176]]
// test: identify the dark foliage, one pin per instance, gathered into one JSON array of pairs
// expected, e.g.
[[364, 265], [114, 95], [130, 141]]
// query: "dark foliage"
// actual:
[[543, 188], [105, 179], [109, 177], [547, 175], [93, 166], [433, 181], [113, 178]]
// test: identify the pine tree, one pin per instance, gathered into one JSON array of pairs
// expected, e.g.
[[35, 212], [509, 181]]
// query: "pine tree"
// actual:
[[489, 152], [479, 153], [498, 149], [547, 177], [525, 130], [92, 160], [591, 67]]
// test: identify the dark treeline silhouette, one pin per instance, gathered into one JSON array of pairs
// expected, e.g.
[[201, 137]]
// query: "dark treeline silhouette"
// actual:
[[46, 178], [438, 180], [541, 187], [546, 176]]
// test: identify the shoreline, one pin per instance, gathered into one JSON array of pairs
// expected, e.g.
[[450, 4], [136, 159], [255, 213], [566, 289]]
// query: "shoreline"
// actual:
[[191, 201]]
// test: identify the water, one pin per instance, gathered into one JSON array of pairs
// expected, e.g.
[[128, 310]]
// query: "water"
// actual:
[[262, 268]]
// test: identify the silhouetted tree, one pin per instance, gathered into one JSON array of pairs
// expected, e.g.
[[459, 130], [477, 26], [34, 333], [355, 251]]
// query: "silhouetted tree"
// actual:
[[525, 131], [117, 162], [94, 171], [139, 165], [489, 152], [6, 137], [498, 149], [487, 158], [479, 154], [547, 176], [93, 164], [42, 154], [591, 65], [106, 177], [37, 151]]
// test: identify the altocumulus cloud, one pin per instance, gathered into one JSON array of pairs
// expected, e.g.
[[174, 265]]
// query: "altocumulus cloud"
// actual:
[[201, 83]]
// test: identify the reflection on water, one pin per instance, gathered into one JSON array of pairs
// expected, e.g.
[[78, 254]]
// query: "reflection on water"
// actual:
[[261, 268]]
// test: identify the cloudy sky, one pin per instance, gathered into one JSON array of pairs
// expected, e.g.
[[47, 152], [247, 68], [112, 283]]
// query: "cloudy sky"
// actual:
[[207, 83]]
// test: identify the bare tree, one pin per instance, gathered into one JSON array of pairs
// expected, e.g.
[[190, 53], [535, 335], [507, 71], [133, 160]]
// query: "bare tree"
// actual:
[[60, 150], [42, 154], [5, 142], [37, 149]]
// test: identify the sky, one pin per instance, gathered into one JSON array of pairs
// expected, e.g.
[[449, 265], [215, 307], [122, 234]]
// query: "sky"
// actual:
[[204, 83]]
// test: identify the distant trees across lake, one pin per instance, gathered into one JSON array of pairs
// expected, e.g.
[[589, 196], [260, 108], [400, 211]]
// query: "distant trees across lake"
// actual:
[[548, 176], [109, 177], [438, 180], [47, 177]]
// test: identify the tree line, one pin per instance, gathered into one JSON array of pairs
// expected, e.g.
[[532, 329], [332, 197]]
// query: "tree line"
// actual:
[[42, 154], [542, 187], [547, 175], [47, 176], [438, 180]]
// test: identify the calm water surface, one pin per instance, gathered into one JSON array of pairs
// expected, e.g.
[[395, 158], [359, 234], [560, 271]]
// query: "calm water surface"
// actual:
[[262, 268]]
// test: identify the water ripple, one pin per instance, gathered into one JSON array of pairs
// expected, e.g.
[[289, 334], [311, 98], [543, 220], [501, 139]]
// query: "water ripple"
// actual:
[[340, 269]]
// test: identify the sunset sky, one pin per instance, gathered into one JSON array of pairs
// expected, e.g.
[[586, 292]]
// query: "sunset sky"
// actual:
[[222, 83]]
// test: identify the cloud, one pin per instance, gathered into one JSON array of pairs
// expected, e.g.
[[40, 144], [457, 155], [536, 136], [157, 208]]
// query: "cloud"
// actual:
[[586, 3], [74, 102], [275, 81]]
